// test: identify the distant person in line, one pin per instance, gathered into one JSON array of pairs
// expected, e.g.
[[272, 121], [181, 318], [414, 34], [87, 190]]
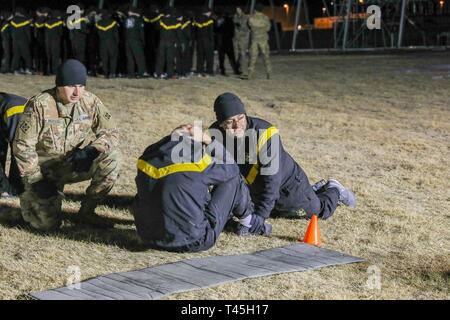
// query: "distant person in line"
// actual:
[[283, 191], [241, 32], [65, 135]]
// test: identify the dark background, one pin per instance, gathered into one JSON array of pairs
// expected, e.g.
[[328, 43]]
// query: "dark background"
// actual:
[[314, 6]]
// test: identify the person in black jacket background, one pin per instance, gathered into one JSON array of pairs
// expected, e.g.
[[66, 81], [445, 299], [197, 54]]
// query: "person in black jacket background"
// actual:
[[170, 36], [225, 45], [204, 36], [135, 43], [108, 34], [53, 40], [21, 41], [5, 35], [78, 32], [39, 52]]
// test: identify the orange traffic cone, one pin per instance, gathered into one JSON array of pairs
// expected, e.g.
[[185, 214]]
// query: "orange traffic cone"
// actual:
[[312, 235]]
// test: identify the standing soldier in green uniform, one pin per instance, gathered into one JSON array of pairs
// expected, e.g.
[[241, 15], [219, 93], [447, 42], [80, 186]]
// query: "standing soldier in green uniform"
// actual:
[[40, 58], [53, 37], [78, 32], [108, 34], [5, 34], [135, 42], [204, 31], [240, 20], [259, 25], [65, 135], [170, 29], [21, 40]]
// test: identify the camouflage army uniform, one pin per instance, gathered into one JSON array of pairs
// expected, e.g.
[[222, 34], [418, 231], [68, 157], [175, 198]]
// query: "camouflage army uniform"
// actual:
[[46, 135], [259, 25], [241, 41]]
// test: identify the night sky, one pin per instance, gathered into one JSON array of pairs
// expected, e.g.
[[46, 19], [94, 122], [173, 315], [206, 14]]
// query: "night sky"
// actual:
[[314, 5]]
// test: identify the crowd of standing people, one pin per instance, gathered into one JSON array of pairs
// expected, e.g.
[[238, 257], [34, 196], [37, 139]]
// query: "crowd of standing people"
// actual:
[[156, 42]]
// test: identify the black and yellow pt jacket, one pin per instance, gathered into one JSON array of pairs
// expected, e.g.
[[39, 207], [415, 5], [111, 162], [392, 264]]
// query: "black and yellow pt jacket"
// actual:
[[21, 29], [267, 190], [169, 207], [204, 27]]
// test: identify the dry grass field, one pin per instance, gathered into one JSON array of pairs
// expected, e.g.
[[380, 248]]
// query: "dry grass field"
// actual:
[[379, 123]]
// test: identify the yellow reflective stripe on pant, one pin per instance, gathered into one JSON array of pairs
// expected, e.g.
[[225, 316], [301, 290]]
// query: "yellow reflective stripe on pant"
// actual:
[[156, 173], [253, 173]]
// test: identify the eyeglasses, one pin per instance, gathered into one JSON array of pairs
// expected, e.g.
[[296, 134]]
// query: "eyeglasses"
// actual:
[[230, 122]]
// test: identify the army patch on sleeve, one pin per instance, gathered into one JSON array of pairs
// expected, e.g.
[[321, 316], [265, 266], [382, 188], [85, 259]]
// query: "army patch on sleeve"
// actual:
[[25, 126]]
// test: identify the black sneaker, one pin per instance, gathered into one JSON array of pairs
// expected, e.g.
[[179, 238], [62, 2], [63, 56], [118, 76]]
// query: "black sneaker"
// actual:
[[244, 231]]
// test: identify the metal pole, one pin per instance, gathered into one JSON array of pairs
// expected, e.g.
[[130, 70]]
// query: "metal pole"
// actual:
[[101, 3], [326, 7], [402, 24], [347, 20], [172, 3], [134, 3], [297, 20], [277, 36], [305, 7], [335, 23], [252, 7], [211, 4]]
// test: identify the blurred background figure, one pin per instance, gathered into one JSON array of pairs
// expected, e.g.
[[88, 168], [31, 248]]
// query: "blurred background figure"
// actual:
[[78, 32], [134, 43], [21, 41], [151, 19], [5, 35], [108, 34], [39, 54], [204, 36], [225, 34], [53, 40]]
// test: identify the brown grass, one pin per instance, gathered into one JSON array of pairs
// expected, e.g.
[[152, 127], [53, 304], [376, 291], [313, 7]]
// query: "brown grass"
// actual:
[[382, 132]]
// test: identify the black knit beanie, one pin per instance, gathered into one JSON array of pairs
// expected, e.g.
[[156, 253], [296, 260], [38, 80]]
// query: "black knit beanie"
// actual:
[[71, 72], [228, 105]]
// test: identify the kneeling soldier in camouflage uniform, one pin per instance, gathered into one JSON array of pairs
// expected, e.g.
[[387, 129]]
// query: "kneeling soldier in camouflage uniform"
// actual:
[[66, 135]]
